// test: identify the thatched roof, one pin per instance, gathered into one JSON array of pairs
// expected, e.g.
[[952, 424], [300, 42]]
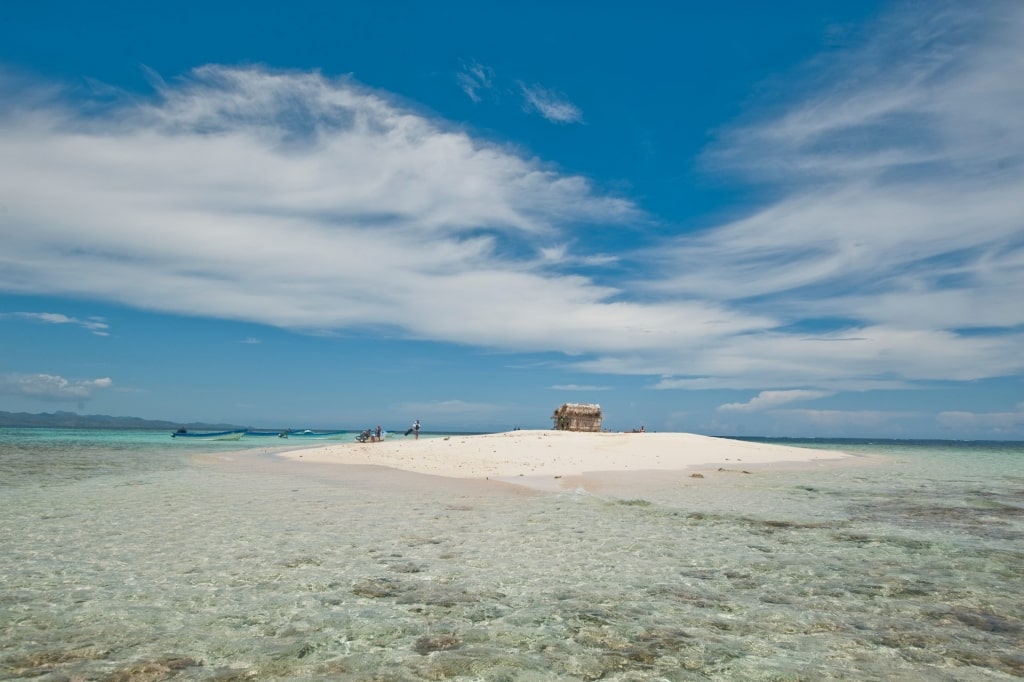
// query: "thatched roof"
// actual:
[[578, 410]]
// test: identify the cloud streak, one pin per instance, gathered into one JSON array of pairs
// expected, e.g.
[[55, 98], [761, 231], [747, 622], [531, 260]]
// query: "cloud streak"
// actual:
[[896, 225], [96, 325], [550, 104], [474, 78], [48, 387], [769, 400]]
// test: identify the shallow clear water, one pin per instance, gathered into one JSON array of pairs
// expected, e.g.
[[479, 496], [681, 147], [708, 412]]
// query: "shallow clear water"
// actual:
[[128, 559]]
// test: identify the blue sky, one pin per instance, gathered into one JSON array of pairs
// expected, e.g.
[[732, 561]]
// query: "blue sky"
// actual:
[[788, 219]]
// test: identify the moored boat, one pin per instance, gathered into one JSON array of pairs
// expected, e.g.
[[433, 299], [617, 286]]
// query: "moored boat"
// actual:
[[268, 434], [209, 435], [307, 433]]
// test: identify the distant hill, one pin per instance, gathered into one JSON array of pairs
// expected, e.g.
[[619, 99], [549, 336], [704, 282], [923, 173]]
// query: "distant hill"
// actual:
[[71, 420]]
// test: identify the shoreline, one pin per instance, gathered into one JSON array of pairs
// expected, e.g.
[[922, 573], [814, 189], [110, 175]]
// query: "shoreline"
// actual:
[[560, 460]]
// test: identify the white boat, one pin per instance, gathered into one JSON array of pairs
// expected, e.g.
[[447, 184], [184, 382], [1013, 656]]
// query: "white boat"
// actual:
[[322, 435]]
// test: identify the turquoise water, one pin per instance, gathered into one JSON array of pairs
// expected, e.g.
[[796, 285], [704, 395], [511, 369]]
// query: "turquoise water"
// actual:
[[129, 556]]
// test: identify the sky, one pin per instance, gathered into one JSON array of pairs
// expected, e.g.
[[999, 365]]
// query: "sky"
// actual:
[[801, 218]]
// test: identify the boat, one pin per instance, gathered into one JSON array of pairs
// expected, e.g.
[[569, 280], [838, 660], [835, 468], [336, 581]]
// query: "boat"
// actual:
[[269, 434], [322, 435], [209, 435]]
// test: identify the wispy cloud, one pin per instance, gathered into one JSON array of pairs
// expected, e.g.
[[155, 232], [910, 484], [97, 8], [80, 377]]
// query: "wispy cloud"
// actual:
[[769, 400], [96, 325], [230, 186], [551, 104], [233, 185], [896, 168], [47, 387], [578, 387], [474, 78]]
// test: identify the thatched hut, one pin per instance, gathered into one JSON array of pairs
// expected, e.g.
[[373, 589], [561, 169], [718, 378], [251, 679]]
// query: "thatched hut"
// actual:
[[577, 417]]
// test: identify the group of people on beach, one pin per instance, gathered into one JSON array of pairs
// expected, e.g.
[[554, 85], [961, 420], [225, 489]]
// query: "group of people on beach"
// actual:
[[371, 435], [376, 435]]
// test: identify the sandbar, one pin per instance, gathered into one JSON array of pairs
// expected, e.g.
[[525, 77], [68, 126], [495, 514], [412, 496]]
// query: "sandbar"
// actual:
[[554, 460]]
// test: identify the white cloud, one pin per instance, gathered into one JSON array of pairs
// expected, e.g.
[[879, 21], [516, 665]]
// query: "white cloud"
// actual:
[[297, 201], [769, 400], [894, 247], [867, 358], [578, 387], [309, 203], [48, 387], [550, 104], [96, 325]]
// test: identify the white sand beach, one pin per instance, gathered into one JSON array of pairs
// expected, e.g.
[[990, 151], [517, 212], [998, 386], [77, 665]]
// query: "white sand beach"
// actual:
[[552, 460]]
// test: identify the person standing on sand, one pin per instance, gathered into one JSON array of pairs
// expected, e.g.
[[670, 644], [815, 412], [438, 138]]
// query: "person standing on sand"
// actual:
[[416, 428]]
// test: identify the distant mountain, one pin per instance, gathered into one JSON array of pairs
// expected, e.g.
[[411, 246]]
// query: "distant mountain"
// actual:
[[71, 420]]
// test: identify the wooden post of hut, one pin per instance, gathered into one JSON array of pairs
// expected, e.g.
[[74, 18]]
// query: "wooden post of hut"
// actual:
[[577, 417]]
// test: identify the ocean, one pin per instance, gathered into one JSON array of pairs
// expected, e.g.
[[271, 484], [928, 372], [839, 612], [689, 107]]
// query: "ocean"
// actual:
[[127, 555]]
